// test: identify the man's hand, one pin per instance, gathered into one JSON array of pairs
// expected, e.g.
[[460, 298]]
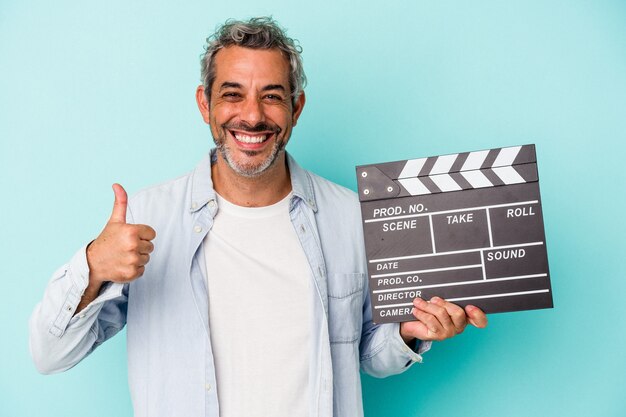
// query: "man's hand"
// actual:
[[440, 319], [121, 251]]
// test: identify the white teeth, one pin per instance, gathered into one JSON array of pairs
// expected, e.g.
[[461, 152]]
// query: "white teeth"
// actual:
[[250, 139]]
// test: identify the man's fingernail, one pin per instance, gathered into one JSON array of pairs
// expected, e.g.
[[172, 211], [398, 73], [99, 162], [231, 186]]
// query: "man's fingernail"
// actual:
[[435, 300]]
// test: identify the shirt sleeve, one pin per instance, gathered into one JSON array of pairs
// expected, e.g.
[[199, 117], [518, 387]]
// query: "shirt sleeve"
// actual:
[[58, 338], [382, 349]]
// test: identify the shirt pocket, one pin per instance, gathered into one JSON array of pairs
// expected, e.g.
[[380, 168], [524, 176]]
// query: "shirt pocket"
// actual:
[[345, 306]]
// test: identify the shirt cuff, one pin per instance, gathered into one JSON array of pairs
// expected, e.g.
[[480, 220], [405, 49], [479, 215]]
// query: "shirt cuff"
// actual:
[[413, 352], [423, 346], [78, 273]]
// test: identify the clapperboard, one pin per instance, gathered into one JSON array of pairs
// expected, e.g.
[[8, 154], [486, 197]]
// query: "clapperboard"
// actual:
[[466, 227]]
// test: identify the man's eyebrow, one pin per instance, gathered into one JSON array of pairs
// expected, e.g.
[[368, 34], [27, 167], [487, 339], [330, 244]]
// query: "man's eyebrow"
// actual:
[[273, 87], [229, 84], [269, 87]]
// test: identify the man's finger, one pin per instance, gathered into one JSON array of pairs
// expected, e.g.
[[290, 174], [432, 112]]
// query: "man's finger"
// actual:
[[145, 247], [430, 321], [476, 316], [143, 260], [145, 232], [457, 314], [119, 206], [439, 312], [415, 329]]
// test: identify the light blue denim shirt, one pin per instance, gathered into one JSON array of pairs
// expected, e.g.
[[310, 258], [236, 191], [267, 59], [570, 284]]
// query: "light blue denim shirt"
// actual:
[[170, 360]]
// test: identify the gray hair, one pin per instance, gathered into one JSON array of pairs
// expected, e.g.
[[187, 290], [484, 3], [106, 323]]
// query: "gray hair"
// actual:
[[256, 33]]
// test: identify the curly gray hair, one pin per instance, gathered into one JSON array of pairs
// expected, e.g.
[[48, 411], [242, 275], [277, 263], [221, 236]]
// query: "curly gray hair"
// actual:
[[255, 33]]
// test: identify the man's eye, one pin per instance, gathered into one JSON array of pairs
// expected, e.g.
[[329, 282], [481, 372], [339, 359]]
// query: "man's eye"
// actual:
[[231, 96], [273, 97]]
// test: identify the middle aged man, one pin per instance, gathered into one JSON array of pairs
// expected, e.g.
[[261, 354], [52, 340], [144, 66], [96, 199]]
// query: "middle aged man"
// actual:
[[254, 301]]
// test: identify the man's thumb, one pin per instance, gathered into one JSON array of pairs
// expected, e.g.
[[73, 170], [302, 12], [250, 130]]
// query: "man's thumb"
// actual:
[[119, 207]]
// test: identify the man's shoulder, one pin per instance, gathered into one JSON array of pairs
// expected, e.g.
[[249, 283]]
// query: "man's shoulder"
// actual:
[[178, 190], [338, 191], [333, 196], [165, 191]]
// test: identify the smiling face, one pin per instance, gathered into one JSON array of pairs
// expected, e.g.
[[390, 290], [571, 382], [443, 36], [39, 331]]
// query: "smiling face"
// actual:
[[250, 111]]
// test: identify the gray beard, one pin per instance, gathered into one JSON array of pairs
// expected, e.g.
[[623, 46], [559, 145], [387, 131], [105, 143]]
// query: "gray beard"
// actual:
[[249, 170]]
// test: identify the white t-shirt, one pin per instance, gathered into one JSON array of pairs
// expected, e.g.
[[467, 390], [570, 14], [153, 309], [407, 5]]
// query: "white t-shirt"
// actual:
[[259, 311]]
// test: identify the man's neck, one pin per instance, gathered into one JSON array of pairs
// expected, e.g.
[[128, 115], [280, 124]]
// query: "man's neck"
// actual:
[[266, 189]]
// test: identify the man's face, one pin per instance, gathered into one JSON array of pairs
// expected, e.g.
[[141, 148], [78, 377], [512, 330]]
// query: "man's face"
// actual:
[[250, 111]]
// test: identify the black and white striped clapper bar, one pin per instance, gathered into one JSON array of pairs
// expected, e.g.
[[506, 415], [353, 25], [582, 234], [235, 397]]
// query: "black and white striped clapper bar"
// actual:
[[466, 227]]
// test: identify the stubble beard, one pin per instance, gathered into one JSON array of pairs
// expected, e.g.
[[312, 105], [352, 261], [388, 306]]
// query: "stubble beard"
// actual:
[[250, 170]]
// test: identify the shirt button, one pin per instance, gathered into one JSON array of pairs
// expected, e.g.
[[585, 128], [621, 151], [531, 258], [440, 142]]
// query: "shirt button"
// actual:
[[194, 205], [212, 203], [208, 387], [197, 229]]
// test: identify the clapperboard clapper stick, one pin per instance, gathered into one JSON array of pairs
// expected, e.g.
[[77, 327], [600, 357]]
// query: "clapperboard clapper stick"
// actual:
[[466, 227]]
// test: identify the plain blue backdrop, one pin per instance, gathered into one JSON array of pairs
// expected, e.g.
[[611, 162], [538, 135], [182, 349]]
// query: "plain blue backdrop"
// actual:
[[93, 93]]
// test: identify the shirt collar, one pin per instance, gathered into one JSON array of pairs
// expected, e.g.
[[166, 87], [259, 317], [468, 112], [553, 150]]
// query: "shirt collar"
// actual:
[[202, 185], [301, 183]]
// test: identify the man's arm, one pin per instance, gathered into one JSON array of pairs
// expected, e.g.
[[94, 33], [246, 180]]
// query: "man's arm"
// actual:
[[85, 301], [60, 338], [383, 352]]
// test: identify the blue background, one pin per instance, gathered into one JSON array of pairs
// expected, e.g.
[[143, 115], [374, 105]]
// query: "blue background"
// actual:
[[97, 92]]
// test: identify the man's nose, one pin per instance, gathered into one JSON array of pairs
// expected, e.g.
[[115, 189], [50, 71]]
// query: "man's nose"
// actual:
[[252, 111]]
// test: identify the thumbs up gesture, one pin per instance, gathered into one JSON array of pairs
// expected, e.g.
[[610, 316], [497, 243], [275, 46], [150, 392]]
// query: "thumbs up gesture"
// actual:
[[121, 251]]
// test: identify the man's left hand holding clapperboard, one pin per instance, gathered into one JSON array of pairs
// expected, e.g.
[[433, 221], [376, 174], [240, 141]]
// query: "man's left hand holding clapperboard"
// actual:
[[465, 227]]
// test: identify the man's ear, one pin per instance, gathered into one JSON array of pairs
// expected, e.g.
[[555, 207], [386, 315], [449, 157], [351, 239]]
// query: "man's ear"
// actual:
[[298, 106], [203, 104]]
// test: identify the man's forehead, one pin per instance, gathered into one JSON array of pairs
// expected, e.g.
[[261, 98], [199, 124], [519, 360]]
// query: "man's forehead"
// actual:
[[237, 64]]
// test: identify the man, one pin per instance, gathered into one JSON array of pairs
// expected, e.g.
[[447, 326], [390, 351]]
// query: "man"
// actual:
[[242, 284]]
